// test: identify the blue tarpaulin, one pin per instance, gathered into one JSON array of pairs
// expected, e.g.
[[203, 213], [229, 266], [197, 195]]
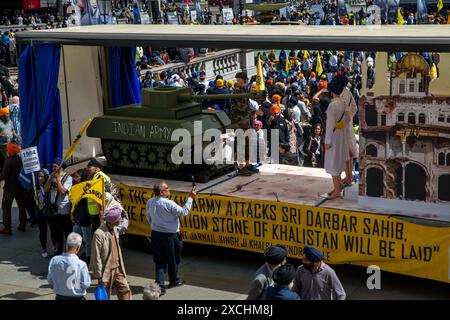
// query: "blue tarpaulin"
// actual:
[[124, 83], [40, 101]]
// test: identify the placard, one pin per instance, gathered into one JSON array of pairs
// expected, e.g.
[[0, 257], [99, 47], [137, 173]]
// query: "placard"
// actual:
[[30, 160]]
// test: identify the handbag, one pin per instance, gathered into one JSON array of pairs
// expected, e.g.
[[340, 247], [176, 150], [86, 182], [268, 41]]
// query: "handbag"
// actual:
[[51, 208], [100, 293]]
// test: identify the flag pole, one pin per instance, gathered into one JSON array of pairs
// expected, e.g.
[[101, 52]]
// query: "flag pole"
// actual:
[[34, 188]]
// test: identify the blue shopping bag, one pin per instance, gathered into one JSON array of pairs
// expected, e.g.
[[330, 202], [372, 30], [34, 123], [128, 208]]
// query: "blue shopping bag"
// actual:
[[100, 293]]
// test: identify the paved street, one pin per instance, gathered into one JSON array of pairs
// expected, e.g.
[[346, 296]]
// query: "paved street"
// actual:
[[210, 273]]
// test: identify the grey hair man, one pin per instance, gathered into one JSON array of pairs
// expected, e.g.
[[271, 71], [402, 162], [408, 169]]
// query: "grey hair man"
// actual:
[[68, 274], [163, 217], [152, 292]]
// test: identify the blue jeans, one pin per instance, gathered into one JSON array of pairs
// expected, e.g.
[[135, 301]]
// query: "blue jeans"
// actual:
[[167, 256]]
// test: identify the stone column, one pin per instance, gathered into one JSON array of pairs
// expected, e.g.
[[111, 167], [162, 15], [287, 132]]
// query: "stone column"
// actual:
[[247, 58]]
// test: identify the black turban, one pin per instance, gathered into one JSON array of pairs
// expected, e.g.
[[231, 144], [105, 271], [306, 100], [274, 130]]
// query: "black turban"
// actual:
[[95, 163], [312, 254], [338, 84], [283, 275], [275, 254]]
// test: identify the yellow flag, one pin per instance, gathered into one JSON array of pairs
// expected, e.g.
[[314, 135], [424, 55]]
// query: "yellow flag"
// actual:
[[305, 54], [92, 189], [439, 5], [319, 69], [433, 71], [75, 142], [288, 65], [259, 77], [400, 20]]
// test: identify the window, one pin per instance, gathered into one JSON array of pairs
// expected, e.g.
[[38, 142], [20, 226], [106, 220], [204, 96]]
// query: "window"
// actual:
[[422, 118], [441, 118], [441, 160], [401, 117], [448, 159], [443, 189], [371, 116], [402, 87], [421, 86], [371, 150], [412, 87], [448, 119], [383, 119], [411, 118]]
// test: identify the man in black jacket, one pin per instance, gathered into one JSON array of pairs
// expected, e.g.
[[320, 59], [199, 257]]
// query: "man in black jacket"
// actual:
[[12, 189], [278, 122]]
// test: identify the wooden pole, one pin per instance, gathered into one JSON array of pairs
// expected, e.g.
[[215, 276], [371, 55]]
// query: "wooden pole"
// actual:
[[34, 188]]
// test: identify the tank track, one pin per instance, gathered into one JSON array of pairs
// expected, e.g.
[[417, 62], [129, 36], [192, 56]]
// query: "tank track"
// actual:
[[154, 160]]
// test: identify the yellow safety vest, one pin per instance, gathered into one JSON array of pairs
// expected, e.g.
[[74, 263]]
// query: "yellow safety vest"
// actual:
[[93, 208]]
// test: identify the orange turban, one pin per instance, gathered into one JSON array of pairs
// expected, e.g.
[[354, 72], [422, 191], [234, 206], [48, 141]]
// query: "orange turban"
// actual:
[[12, 148], [275, 109], [269, 82], [276, 99], [313, 75], [322, 85], [4, 112]]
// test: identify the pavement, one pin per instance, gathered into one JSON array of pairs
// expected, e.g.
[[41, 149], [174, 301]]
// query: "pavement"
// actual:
[[210, 273]]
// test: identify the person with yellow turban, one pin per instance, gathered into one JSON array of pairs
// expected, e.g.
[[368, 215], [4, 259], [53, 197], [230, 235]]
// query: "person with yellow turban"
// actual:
[[12, 189]]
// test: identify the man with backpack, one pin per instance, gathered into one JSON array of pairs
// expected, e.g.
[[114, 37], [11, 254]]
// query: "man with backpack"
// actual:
[[82, 219]]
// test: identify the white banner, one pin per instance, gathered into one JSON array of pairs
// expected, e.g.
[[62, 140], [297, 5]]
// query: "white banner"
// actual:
[[193, 15], [145, 18], [227, 15], [30, 160], [173, 18]]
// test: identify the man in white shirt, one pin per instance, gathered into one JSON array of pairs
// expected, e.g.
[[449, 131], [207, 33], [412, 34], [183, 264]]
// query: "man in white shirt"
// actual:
[[333, 61], [163, 216], [68, 274]]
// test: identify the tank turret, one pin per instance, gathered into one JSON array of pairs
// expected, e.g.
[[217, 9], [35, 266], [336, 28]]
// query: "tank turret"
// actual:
[[136, 139]]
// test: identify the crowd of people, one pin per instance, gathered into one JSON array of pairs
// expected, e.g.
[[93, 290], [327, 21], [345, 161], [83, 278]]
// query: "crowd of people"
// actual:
[[295, 100], [299, 11]]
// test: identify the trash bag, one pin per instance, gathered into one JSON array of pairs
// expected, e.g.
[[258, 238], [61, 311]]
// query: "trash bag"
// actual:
[[100, 293]]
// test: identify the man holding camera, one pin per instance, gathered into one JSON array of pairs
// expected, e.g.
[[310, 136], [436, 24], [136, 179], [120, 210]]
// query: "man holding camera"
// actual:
[[163, 216]]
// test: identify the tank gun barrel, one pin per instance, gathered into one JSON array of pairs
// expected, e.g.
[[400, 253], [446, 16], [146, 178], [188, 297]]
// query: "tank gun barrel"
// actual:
[[252, 95]]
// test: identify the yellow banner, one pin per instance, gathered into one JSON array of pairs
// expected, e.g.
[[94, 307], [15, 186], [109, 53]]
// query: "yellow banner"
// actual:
[[92, 189], [363, 239]]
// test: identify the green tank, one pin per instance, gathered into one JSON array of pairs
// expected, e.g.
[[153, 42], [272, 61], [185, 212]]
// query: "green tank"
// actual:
[[136, 139]]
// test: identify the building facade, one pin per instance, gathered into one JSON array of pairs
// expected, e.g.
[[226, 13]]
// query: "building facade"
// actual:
[[405, 138]]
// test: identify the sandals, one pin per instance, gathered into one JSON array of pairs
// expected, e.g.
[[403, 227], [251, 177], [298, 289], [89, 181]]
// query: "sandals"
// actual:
[[327, 196]]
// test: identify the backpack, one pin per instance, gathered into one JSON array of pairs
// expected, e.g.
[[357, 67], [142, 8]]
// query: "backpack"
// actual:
[[81, 213]]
